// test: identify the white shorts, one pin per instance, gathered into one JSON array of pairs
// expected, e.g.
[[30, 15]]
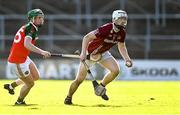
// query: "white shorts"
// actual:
[[105, 56], [20, 70]]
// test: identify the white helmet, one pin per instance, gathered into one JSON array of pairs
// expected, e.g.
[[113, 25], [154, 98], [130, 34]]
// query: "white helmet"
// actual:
[[118, 14]]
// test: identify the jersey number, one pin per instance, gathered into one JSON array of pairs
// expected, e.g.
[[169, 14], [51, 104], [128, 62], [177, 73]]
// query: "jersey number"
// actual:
[[18, 36]]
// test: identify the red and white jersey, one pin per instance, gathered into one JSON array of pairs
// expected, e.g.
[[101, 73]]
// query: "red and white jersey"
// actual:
[[19, 53], [106, 37]]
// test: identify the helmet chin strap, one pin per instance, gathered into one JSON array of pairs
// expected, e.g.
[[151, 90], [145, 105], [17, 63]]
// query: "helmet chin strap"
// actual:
[[32, 20], [119, 26], [35, 24]]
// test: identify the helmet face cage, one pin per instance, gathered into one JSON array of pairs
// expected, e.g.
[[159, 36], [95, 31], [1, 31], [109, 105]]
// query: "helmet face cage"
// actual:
[[119, 14], [35, 12]]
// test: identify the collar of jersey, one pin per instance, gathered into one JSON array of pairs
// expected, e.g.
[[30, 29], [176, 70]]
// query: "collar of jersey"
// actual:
[[34, 26]]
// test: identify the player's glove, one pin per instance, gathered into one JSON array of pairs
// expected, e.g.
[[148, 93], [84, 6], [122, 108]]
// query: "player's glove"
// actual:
[[100, 90]]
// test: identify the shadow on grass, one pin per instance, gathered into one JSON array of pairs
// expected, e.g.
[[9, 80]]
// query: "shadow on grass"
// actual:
[[27, 105], [30, 106], [99, 105]]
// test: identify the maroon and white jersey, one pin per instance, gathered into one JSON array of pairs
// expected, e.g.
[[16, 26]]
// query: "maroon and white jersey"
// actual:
[[106, 37]]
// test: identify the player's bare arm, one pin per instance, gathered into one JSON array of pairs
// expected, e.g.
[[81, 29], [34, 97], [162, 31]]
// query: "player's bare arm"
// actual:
[[87, 38], [124, 53], [33, 48]]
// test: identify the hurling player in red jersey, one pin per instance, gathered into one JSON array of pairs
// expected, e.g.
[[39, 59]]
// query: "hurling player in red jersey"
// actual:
[[97, 43], [19, 62]]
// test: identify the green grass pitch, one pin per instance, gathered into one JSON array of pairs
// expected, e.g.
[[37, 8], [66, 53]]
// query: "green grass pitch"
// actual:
[[126, 97]]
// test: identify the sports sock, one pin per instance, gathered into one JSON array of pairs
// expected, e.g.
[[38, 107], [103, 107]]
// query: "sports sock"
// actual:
[[13, 85]]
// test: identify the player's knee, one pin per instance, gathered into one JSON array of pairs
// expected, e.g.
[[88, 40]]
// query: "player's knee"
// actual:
[[36, 78], [115, 72], [30, 85]]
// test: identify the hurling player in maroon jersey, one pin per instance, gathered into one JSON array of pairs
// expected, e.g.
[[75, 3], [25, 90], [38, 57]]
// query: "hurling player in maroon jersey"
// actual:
[[96, 44]]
